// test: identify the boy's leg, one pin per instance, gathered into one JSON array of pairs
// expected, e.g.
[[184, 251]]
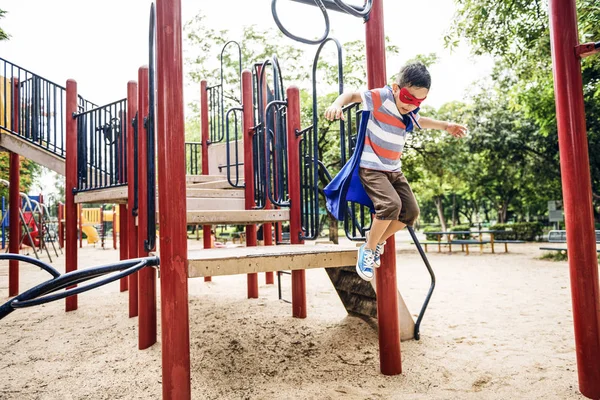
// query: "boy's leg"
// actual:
[[394, 227], [379, 228]]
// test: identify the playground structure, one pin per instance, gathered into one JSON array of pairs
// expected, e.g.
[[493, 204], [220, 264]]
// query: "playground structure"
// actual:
[[94, 181]]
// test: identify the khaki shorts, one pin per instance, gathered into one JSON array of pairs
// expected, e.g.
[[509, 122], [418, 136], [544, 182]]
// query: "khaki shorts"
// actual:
[[391, 195]]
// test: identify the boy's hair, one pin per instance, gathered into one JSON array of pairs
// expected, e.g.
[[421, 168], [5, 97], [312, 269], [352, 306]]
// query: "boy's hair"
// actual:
[[414, 74]]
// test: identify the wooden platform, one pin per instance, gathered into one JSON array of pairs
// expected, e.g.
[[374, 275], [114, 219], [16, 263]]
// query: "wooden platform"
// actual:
[[243, 260], [236, 217], [111, 195], [220, 184], [204, 178]]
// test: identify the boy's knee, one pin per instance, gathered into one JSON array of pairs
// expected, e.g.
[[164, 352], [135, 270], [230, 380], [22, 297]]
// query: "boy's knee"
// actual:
[[390, 210], [412, 213]]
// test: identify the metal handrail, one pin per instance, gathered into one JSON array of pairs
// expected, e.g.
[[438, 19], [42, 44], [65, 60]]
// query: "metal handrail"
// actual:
[[228, 149], [150, 241]]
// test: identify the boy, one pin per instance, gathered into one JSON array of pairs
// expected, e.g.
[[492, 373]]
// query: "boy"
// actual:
[[393, 110]]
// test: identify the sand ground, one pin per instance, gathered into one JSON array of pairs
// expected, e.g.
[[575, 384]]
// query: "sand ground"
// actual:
[[498, 327]]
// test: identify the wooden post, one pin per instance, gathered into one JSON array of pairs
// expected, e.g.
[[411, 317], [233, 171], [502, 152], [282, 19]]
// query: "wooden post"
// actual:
[[70, 185], [132, 234], [206, 229], [123, 243], [172, 196], [147, 276], [387, 291], [248, 132], [293, 150], [15, 223]]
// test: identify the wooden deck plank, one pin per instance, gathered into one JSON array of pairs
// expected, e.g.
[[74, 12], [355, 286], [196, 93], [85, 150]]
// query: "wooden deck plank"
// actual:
[[111, 195], [243, 260], [236, 217], [220, 184], [215, 193], [204, 178]]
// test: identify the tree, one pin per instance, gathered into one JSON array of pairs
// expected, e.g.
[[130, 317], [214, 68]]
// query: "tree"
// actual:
[[3, 34]]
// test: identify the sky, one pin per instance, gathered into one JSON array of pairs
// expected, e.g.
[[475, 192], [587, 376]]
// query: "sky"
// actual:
[[101, 44]]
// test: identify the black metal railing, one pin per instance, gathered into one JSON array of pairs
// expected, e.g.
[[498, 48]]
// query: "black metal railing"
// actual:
[[150, 241], [270, 140], [101, 146], [233, 161], [193, 152], [32, 107]]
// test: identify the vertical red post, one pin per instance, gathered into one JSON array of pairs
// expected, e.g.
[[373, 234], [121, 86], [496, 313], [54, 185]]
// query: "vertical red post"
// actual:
[[387, 290], [172, 198], [248, 132], [114, 227], [132, 220], [61, 225], [206, 229], [14, 199], [293, 150], [15, 223], [70, 184], [123, 243], [147, 276], [267, 228], [577, 193]]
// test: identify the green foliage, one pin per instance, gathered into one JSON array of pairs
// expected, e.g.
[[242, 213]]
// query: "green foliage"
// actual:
[[527, 231], [555, 256], [29, 171], [462, 236], [431, 229], [3, 34]]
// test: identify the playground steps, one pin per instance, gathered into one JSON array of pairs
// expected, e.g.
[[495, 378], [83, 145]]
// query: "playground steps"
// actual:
[[215, 199], [243, 260], [360, 298], [236, 217], [111, 195], [32, 152], [191, 179], [216, 184]]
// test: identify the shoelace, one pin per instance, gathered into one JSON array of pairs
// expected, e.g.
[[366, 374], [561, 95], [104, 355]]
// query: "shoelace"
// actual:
[[379, 248], [369, 257]]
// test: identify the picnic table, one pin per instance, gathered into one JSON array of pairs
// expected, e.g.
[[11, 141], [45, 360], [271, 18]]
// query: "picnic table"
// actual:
[[466, 242]]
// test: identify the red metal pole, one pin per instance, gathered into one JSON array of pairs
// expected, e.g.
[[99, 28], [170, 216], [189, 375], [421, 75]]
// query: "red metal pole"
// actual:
[[248, 122], [114, 227], [387, 290], [61, 225], [267, 227], [206, 229], [15, 224], [70, 184], [123, 243], [132, 234], [577, 193], [147, 276], [293, 150], [172, 198]]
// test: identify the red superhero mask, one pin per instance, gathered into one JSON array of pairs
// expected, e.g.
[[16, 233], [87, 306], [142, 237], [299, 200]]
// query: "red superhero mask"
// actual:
[[408, 98]]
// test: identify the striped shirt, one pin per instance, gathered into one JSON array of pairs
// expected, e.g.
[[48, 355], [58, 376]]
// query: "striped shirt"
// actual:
[[386, 131]]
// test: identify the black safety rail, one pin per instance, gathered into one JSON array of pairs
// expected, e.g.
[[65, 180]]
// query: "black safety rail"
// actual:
[[33, 107], [216, 132], [149, 125], [193, 152], [233, 162], [46, 292], [360, 11], [101, 146], [270, 139]]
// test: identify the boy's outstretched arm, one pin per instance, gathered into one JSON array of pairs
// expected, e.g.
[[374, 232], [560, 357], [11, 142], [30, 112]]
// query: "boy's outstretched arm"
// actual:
[[334, 111], [455, 130]]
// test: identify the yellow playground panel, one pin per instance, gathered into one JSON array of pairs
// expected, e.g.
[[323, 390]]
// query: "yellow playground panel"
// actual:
[[5, 102], [92, 216]]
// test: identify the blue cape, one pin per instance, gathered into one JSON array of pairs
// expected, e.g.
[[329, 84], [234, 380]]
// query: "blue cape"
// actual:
[[346, 186]]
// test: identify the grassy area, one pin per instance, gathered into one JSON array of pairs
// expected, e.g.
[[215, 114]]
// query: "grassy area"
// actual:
[[557, 256]]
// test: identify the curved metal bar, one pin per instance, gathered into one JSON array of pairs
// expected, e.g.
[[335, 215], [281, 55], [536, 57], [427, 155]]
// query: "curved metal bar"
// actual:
[[318, 3], [38, 263], [362, 12], [32, 296], [313, 158], [228, 151], [220, 134], [150, 241], [268, 143], [417, 333]]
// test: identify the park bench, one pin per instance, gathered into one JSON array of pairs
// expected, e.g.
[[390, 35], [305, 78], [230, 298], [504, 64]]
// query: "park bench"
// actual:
[[560, 236]]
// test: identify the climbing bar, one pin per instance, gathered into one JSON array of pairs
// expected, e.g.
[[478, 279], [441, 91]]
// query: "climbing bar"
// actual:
[[150, 241], [44, 292], [417, 334]]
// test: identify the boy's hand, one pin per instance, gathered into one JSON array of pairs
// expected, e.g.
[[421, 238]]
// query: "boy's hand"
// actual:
[[334, 112], [456, 130]]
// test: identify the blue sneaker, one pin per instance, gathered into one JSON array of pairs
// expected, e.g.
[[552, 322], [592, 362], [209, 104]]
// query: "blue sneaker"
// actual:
[[377, 255], [364, 264]]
